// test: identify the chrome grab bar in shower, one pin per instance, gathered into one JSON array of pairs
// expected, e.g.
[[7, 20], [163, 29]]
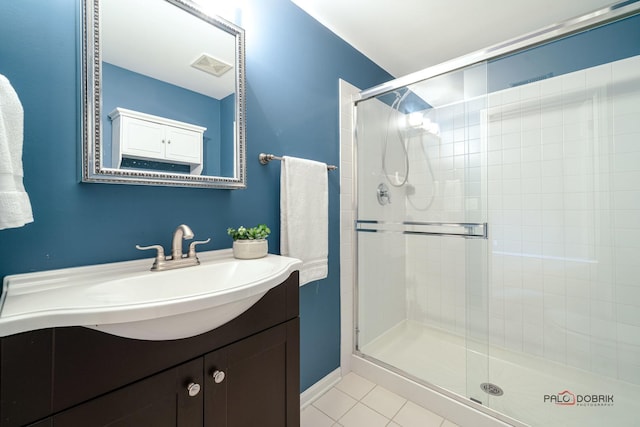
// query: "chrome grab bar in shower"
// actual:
[[467, 230]]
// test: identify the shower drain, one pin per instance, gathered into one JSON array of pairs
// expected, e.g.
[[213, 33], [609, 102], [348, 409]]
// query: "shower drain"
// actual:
[[491, 389]]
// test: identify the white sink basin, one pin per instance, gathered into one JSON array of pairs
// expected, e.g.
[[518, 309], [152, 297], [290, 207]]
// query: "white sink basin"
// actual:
[[128, 300]]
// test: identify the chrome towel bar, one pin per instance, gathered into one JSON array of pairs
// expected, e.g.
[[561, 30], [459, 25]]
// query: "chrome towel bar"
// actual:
[[266, 158]]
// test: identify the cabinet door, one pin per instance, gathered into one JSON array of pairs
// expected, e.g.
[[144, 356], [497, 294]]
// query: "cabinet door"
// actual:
[[162, 400], [25, 377], [260, 378], [183, 145], [142, 139]]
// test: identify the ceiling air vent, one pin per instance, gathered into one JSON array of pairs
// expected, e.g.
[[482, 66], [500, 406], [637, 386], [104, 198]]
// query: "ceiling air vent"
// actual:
[[210, 65]]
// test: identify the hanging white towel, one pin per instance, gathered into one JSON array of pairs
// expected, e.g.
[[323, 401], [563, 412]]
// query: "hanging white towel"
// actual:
[[15, 207], [304, 216]]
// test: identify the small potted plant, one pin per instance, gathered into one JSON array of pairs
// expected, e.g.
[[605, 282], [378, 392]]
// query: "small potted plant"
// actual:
[[249, 243]]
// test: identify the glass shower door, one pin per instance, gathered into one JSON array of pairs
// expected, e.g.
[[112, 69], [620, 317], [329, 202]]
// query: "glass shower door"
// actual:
[[422, 232], [535, 317]]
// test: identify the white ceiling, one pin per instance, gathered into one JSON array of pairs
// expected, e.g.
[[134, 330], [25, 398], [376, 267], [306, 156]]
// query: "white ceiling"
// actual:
[[401, 36], [164, 43], [404, 36]]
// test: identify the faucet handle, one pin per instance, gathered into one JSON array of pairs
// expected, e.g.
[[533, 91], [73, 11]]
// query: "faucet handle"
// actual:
[[192, 246], [159, 255], [160, 258]]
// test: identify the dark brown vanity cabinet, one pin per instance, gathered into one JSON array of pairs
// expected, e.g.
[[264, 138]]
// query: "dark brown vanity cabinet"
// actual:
[[161, 400], [242, 374]]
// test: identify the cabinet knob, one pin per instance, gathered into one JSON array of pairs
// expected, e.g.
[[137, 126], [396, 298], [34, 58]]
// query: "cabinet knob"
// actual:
[[193, 389], [168, 141], [163, 141], [218, 376]]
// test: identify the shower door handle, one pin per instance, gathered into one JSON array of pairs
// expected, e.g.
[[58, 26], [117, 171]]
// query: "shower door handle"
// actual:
[[467, 230]]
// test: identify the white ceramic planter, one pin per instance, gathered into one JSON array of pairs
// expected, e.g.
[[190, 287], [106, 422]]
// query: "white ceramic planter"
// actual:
[[250, 249]]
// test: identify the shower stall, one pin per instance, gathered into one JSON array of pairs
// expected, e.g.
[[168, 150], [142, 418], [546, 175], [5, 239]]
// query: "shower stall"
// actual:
[[497, 225]]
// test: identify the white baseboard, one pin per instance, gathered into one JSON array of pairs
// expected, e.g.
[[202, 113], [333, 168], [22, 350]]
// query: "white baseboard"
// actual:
[[319, 388]]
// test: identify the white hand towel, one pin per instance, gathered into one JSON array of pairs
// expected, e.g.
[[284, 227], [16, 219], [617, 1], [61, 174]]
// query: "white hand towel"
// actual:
[[304, 216], [15, 207]]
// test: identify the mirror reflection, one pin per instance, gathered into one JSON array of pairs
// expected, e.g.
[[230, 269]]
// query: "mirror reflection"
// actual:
[[167, 101]]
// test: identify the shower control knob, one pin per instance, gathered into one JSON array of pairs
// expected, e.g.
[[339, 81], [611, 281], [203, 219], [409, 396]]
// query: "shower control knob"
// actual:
[[218, 376], [193, 389], [384, 198]]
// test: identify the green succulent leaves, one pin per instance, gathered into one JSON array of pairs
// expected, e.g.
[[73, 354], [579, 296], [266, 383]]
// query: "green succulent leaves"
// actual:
[[254, 233]]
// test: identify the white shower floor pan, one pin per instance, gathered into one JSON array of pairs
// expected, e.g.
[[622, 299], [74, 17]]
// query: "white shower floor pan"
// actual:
[[444, 360]]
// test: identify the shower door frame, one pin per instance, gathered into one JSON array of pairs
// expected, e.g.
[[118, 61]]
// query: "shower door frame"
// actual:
[[603, 16], [553, 32]]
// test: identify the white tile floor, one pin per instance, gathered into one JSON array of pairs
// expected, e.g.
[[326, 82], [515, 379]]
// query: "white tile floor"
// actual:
[[357, 402]]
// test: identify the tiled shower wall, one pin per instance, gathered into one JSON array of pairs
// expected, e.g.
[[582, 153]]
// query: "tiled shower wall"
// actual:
[[562, 160], [447, 185], [564, 203]]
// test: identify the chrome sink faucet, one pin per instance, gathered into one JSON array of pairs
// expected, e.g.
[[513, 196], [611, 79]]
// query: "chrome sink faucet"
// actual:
[[177, 259], [182, 232]]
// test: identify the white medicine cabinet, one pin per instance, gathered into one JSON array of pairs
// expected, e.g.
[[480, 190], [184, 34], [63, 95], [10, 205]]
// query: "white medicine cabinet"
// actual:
[[143, 136]]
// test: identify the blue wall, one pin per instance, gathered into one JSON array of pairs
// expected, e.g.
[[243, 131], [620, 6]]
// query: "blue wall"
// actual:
[[227, 134], [293, 66]]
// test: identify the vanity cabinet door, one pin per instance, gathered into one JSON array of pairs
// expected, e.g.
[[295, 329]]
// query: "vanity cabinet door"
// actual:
[[260, 381], [163, 400]]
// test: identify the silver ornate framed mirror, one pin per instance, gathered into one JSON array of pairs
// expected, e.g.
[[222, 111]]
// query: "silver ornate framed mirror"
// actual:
[[163, 95]]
